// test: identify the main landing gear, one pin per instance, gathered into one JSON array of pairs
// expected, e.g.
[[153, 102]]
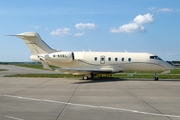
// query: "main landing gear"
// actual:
[[156, 76], [86, 77]]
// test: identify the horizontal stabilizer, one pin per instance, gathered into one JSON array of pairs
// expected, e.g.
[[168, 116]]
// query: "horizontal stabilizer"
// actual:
[[19, 35], [35, 43], [26, 34]]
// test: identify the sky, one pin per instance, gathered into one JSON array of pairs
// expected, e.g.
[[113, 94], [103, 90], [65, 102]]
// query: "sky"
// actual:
[[151, 26]]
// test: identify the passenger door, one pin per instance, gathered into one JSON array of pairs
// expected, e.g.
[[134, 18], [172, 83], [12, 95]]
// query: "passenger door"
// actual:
[[102, 59]]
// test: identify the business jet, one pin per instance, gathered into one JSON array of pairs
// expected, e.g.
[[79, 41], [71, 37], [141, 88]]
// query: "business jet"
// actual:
[[88, 64]]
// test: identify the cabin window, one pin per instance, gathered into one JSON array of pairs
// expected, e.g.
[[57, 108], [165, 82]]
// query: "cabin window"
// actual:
[[116, 59], [122, 59], [129, 59], [58, 55], [109, 59], [95, 59], [54, 55]]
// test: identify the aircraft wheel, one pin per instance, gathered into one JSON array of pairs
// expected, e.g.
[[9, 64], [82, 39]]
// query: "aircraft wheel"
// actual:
[[156, 78], [92, 76], [85, 77]]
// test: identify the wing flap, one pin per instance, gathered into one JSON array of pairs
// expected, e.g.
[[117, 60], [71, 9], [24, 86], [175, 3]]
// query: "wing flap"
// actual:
[[83, 70]]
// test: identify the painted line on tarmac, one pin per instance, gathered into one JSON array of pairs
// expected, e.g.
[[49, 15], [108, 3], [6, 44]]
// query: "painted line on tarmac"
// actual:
[[14, 118], [92, 106]]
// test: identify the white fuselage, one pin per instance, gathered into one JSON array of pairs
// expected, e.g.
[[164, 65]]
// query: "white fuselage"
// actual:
[[112, 61]]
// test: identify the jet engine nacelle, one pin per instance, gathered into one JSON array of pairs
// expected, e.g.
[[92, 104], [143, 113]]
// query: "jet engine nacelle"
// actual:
[[64, 57], [35, 58]]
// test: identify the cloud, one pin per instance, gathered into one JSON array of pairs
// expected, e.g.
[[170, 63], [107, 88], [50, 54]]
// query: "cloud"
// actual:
[[46, 29], [136, 25], [152, 8], [67, 31], [85, 26], [165, 10], [128, 28], [36, 27], [143, 19], [173, 54], [79, 34], [161, 9], [61, 32]]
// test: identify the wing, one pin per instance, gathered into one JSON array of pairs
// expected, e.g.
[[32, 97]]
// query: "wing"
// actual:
[[81, 71]]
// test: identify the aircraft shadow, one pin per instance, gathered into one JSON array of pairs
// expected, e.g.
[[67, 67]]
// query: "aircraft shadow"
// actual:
[[101, 80]]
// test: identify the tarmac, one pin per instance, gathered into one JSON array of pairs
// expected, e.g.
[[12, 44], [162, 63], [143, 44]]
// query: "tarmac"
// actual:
[[77, 99]]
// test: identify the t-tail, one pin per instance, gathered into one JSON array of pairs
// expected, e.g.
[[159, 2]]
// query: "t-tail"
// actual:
[[37, 47], [35, 43]]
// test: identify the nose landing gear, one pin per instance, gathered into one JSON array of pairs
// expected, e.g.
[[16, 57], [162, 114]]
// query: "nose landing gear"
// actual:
[[156, 76]]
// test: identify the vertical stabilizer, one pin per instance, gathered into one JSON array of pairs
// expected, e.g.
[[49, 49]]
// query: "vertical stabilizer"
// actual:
[[35, 43]]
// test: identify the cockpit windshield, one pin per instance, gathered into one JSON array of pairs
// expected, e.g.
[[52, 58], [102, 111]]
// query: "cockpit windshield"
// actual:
[[155, 57]]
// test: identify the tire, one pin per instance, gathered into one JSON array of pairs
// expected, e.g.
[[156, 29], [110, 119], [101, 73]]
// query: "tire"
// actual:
[[85, 77], [155, 78]]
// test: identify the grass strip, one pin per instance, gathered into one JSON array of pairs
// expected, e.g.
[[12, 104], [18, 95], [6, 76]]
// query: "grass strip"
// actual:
[[115, 76], [3, 69], [161, 76], [35, 66], [42, 75]]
